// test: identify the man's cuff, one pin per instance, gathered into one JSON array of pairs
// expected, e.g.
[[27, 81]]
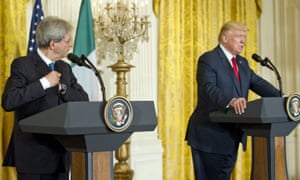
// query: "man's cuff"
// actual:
[[45, 83], [228, 105], [63, 89]]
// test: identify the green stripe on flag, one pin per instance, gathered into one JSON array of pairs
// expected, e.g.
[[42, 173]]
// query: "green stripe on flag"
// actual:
[[84, 40]]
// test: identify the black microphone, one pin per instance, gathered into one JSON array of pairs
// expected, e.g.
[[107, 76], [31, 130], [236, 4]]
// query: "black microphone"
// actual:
[[263, 62], [256, 57], [77, 60], [266, 62]]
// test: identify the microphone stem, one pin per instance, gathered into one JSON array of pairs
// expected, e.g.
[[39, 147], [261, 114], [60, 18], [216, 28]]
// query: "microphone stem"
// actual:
[[99, 78], [278, 76], [101, 84]]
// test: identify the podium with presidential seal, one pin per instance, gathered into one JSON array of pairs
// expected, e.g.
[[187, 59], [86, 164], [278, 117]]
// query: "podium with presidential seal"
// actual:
[[91, 127], [268, 121]]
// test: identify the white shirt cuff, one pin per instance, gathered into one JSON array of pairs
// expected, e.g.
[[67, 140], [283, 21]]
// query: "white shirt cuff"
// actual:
[[45, 83]]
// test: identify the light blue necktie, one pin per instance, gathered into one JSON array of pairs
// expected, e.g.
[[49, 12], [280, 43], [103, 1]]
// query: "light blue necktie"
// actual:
[[51, 66]]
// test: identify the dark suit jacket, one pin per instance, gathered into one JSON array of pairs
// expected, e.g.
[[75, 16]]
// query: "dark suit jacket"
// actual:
[[23, 94], [217, 85]]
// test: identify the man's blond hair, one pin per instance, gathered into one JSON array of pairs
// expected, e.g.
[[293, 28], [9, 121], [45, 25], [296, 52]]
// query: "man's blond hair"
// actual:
[[231, 25]]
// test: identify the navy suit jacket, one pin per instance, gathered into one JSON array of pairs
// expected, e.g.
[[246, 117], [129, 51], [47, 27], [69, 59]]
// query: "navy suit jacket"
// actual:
[[24, 94], [217, 85]]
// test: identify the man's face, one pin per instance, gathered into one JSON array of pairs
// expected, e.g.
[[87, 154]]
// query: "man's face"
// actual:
[[62, 48], [234, 41]]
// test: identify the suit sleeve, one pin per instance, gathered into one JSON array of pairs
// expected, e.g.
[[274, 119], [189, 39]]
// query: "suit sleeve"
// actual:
[[262, 87], [20, 88]]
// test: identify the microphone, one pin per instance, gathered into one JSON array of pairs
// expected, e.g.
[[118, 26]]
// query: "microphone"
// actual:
[[81, 61], [263, 62], [266, 62], [77, 60]]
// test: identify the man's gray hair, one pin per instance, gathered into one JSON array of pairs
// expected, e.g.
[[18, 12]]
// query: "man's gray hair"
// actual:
[[51, 28]]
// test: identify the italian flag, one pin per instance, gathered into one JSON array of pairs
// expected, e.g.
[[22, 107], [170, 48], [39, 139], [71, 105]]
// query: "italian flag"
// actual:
[[85, 44]]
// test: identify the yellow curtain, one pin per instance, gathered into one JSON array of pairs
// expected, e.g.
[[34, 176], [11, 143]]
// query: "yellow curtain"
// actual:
[[12, 44], [186, 30]]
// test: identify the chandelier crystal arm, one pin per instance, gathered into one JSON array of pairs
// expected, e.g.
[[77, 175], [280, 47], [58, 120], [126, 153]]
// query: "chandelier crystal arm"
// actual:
[[119, 28]]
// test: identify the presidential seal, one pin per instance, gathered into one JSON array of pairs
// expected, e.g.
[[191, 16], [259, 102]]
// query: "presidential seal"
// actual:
[[118, 114], [293, 107]]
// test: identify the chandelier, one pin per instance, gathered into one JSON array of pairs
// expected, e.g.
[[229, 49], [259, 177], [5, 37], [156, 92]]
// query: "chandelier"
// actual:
[[119, 27]]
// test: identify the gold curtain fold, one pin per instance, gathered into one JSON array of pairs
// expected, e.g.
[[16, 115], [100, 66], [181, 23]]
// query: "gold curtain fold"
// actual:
[[12, 44], [186, 30]]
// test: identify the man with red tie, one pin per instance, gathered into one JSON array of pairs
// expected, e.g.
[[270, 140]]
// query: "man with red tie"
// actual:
[[224, 79]]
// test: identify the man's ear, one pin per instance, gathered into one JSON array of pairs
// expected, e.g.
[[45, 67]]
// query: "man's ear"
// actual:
[[51, 44], [224, 38]]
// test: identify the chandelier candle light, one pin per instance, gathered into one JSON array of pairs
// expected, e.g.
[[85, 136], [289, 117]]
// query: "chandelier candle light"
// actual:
[[119, 26]]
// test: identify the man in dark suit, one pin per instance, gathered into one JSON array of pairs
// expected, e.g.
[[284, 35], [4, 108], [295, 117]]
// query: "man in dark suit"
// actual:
[[214, 145], [32, 88]]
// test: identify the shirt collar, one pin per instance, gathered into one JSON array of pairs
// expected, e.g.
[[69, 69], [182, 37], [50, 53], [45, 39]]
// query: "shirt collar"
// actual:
[[44, 57], [226, 52]]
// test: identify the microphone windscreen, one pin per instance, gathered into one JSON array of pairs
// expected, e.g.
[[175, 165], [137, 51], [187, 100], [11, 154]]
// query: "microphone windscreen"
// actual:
[[256, 57], [75, 59]]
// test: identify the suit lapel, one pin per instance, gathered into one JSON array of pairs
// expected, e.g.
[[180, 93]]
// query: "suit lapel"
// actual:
[[242, 72], [228, 67], [42, 70], [41, 66]]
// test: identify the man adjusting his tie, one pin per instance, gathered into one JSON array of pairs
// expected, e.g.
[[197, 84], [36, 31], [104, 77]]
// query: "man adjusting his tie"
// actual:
[[39, 81]]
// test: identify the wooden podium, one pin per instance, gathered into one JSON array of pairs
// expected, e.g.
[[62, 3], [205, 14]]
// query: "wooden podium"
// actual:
[[267, 122], [79, 127]]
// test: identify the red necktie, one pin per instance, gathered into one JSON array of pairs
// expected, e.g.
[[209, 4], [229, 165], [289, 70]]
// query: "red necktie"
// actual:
[[235, 69]]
